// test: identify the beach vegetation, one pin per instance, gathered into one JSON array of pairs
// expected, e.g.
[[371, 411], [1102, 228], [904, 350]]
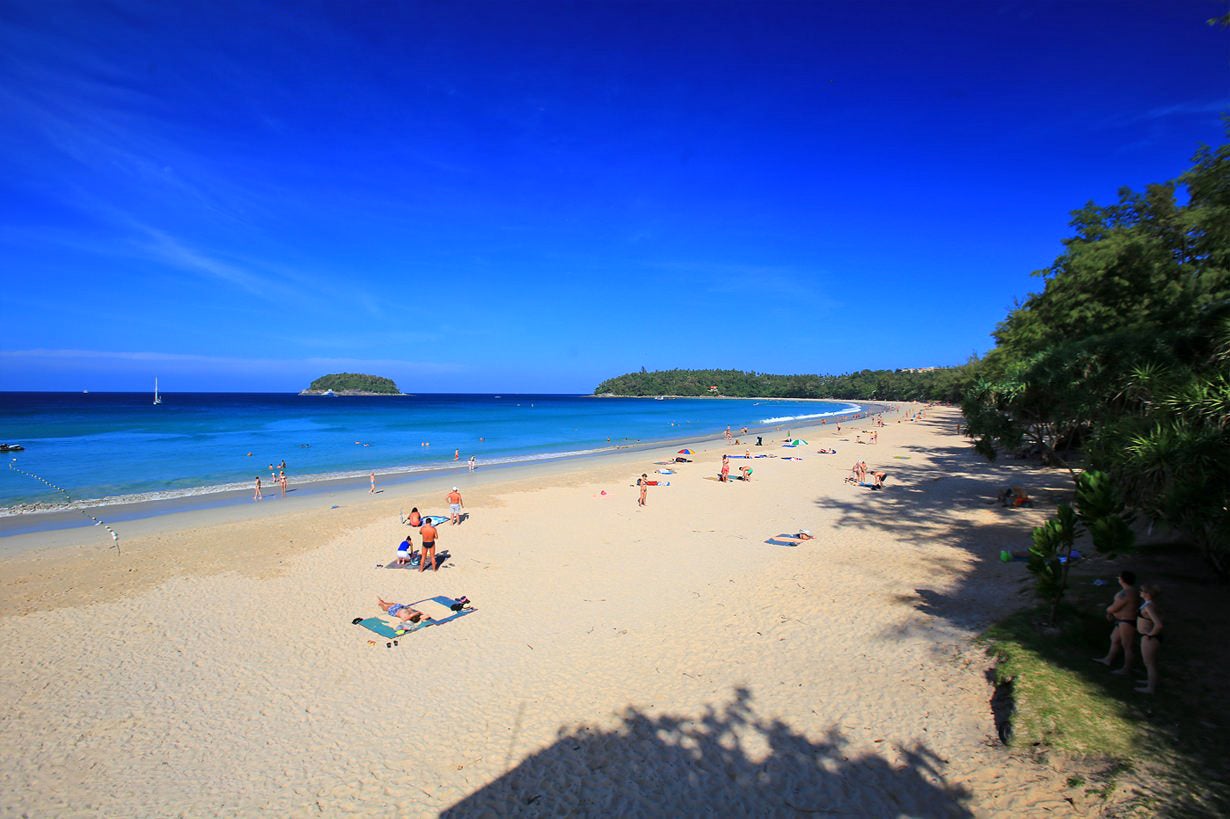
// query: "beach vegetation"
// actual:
[[354, 383], [1122, 360], [944, 384], [1098, 513], [1143, 755]]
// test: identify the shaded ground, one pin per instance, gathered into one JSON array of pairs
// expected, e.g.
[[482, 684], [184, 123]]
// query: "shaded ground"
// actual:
[[666, 765]]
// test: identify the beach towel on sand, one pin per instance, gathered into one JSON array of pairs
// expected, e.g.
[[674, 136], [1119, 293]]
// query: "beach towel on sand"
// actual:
[[785, 540], [436, 612]]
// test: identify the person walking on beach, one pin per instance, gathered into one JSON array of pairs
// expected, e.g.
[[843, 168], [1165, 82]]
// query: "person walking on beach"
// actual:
[[257, 495], [282, 481], [1123, 631], [643, 483], [372, 491], [725, 474], [473, 463], [454, 507], [430, 536]]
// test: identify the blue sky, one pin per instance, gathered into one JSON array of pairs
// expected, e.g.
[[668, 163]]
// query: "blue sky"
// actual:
[[524, 196]]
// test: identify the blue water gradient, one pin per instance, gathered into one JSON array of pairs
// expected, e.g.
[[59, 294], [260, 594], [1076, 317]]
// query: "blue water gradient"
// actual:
[[108, 445]]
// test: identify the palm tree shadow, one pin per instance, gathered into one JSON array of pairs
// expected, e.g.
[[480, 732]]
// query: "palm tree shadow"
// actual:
[[728, 761]]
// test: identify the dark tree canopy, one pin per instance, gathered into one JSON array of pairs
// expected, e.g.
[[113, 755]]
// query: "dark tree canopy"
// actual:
[[1123, 358]]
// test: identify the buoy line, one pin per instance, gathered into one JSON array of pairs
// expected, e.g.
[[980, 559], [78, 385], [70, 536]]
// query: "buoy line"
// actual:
[[115, 537]]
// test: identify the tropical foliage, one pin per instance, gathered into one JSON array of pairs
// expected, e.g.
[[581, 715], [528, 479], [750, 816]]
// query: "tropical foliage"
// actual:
[[1098, 512], [1124, 355], [354, 382], [940, 384]]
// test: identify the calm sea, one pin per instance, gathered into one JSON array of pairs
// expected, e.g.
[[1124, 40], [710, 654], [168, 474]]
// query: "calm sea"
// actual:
[[109, 445]]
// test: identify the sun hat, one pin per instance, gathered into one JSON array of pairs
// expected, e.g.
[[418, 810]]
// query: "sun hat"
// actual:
[[805, 531], [454, 489]]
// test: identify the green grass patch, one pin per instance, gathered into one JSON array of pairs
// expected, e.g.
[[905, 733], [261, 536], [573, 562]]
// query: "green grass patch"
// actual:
[[1059, 703]]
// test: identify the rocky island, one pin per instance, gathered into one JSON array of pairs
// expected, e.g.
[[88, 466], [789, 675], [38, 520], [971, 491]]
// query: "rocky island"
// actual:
[[352, 384]]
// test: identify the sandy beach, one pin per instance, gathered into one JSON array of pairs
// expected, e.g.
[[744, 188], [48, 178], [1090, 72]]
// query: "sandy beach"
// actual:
[[618, 660]]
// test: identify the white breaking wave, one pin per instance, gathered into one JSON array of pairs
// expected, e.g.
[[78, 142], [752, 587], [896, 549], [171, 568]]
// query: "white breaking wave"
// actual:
[[780, 419]]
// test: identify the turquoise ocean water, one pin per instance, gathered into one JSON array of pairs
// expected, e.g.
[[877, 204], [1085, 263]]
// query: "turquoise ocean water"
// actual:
[[120, 445]]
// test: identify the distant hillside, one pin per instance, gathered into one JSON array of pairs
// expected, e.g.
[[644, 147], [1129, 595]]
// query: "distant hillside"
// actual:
[[933, 384], [352, 384]]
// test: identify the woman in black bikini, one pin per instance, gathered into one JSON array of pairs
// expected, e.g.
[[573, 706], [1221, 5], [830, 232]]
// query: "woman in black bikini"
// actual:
[[1123, 632], [1149, 624]]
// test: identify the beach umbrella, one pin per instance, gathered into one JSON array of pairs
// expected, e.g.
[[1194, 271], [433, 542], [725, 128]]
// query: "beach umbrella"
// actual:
[[685, 452], [799, 442]]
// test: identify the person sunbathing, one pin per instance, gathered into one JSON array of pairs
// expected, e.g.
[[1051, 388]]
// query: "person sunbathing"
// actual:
[[401, 611], [415, 519], [804, 534]]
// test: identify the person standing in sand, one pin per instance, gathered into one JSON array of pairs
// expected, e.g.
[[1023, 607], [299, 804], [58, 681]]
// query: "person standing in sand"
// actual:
[[454, 507], [1121, 612], [725, 474], [430, 536], [257, 495], [282, 481], [372, 491], [643, 483]]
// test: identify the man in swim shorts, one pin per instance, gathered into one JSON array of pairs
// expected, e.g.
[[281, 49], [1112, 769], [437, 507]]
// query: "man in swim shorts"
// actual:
[[400, 610], [430, 535], [454, 507]]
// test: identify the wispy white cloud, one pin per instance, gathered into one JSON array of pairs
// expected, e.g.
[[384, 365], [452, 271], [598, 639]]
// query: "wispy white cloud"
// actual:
[[199, 362], [1221, 106]]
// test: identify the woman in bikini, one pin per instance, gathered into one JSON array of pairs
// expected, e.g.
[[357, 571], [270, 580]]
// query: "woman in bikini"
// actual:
[[1149, 624], [1123, 633]]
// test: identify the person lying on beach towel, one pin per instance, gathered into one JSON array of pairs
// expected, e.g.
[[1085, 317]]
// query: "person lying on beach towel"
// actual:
[[400, 610], [793, 539]]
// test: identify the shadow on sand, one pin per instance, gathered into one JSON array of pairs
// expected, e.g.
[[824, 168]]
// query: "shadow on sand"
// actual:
[[727, 761]]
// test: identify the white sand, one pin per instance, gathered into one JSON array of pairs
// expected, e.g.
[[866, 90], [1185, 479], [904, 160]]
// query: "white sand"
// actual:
[[620, 661]]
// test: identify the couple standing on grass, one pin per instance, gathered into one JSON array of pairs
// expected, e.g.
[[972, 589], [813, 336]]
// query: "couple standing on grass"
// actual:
[[1130, 617]]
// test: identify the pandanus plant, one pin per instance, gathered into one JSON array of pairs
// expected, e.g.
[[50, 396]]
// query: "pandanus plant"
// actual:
[[1097, 511]]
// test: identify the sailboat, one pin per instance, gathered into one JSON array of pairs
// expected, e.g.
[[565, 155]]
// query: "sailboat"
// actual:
[[157, 398]]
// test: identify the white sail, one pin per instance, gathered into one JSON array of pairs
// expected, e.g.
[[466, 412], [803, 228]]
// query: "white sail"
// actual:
[[157, 399]]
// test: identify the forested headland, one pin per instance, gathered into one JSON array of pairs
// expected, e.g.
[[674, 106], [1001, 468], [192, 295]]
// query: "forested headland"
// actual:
[[939, 384]]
